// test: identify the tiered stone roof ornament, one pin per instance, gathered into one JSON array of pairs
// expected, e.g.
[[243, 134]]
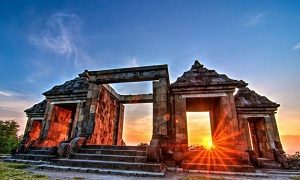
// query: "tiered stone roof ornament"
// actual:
[[76, 86], [198, 75], [247, 98], [37, 108]]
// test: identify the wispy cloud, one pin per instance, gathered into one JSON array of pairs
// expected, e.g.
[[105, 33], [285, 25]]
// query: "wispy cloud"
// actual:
[[61, 35], [254, 19], [3, 93], [132, 62], [12, 106], [297, 46]]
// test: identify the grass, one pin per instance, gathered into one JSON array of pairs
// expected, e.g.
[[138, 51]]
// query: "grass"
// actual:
[[16, 171], [295, 178]]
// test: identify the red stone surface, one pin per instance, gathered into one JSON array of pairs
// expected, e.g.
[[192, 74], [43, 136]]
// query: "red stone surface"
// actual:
[[105, 116], [59, 127], [35, 130]]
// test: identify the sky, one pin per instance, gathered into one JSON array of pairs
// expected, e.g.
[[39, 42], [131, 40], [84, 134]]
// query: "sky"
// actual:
[[45, 43]]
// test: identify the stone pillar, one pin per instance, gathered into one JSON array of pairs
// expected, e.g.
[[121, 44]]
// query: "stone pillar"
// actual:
[[276, 137], [78, 130], [88, 122], [75, 121], [46, 123], [120, 125], [181, 142], [244, 127], [228, 134], [116, 123], [160, 107], [270, 137]]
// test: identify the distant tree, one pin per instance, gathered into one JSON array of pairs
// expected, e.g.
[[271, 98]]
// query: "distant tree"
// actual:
[[8, 136], [294, 160]]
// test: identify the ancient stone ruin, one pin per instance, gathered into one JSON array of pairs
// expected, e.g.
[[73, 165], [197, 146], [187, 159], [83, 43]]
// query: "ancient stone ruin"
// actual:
[[80, 123]]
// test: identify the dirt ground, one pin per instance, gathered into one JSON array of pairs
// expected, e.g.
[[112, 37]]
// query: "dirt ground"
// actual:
[[58, 175]]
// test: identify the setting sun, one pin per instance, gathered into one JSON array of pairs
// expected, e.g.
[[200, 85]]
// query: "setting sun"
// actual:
[[208, 143]]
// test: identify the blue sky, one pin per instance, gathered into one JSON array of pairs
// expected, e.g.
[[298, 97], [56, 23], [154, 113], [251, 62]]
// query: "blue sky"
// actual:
[[44, 43]]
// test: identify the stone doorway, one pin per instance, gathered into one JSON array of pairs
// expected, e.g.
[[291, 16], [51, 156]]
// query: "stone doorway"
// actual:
[[138, 123], [258, 137], [35, 131], [199, 131], [210, 106], [61, 123]]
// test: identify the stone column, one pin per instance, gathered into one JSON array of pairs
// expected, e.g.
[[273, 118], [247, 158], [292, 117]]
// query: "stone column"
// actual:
[[120, 124], [75, 121], [116, 123], [181, 143], [47, 120], [276, 137], [160, 107], [88, 122], [231, 137]]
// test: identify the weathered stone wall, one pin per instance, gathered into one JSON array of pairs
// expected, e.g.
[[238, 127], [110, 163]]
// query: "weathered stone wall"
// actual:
[[34, 133], [106, 119], [59, 127]]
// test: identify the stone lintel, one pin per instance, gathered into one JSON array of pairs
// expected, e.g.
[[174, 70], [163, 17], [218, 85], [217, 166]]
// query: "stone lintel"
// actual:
[[135, 74], [203, 95], [126, 70], [41, 118], [68, 97], [35, 115], [138, 98], [66, 102], [255, 115], [256, 110]]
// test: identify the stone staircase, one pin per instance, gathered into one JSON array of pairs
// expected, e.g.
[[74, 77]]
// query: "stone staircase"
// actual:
[[36, 155], [213, 161], [268, 163], [110, 159]]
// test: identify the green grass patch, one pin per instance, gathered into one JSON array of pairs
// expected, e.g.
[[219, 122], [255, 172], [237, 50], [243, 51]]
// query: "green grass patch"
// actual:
[[295, 177], [16, 171]]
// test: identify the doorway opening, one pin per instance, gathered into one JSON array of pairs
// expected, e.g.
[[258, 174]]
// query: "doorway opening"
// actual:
[[138, 112], [258, 136], [61, 123], [199, 130], [35, 131], [138, 123]]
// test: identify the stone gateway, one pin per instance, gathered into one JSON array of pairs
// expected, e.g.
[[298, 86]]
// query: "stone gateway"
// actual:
[[80, 123]]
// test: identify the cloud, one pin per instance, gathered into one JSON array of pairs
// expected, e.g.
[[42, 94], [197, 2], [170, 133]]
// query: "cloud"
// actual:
[[12, 106], [131, 62], [297, 46], [3, 93], [61, 35], [254, 20]]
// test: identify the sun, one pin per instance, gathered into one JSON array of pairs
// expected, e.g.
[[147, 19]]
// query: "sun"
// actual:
[[208, 143]]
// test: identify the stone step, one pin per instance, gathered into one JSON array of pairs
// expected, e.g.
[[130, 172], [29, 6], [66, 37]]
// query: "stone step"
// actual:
[[25, 161], [36, 157], [112, 152], [109, 165], [209, 153], [266, 160], [115, 147], [213, 160], [101, 171], [217, 167], [104, 157], [43, 152], [43, 148]]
